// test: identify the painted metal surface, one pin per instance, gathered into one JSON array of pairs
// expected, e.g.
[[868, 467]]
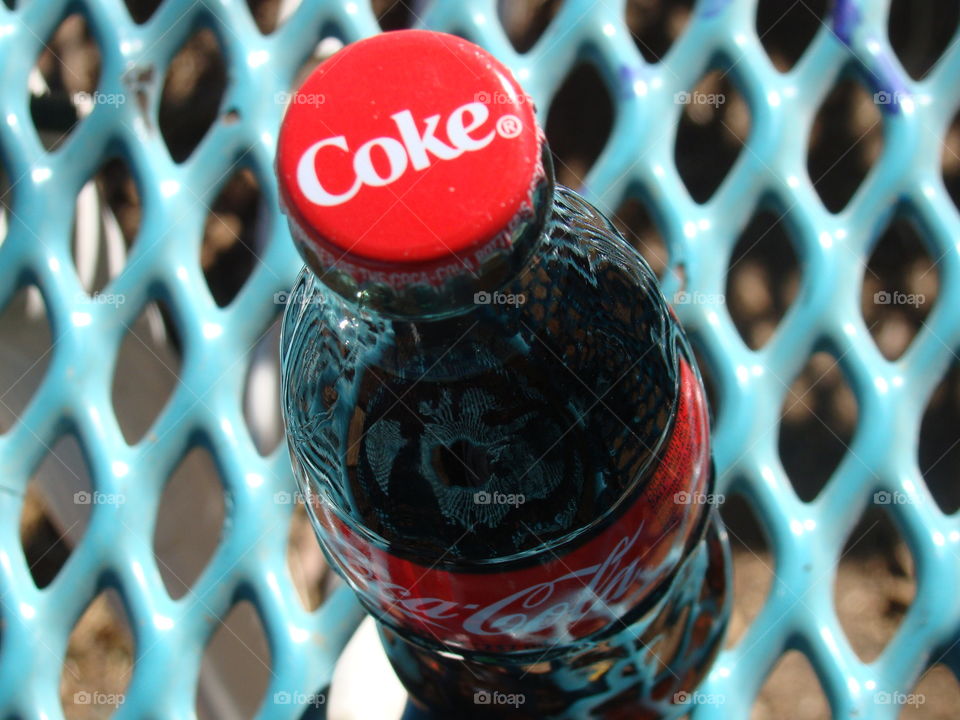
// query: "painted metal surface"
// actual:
[[206, 407]]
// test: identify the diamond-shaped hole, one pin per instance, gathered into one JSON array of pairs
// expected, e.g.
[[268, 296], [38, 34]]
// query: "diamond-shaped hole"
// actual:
[[236, 665], [524, 21], [237, 228], [900, 287], [261, 396], [638, 226], [44, 546], [56, 510], [266, 14], [349, 695], [817, 424], [25, 351], [655, 26], [714, 126], [845, 142], [939, 450], [189, 521], [875, 582], [786, 32], [63, 81], [398, 14], [753, 565], [709, 383], [951, 160], [106, 222], [99, 661], [763, 278], [579, 123], [936, 696], [329, 44], [142, 10], [792, 690], [921, 32], [192, 91], [147, 371], [308, 568]]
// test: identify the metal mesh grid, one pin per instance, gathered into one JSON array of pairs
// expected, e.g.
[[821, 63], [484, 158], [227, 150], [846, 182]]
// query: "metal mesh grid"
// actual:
[[205, 409]]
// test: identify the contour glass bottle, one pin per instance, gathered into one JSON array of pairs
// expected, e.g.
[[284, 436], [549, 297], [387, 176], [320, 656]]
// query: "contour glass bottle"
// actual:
[[492, 413]]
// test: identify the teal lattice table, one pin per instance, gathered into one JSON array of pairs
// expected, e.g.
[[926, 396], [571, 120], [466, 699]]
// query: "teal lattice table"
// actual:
[[206, 407]]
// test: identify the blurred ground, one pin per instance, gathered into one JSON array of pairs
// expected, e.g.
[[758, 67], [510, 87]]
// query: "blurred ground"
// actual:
[[874, 585]]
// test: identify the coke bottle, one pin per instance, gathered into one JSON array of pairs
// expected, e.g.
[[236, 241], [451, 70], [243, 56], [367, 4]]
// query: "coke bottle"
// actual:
[[495, 419]]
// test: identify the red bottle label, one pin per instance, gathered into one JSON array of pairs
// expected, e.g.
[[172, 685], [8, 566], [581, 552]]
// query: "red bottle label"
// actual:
[[570, 594]]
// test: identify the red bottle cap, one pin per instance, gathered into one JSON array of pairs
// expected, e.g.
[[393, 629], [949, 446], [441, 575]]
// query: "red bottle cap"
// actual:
[[407, 158]]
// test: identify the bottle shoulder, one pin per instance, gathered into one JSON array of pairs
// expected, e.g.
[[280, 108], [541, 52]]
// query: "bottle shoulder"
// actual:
[[582, 259]]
